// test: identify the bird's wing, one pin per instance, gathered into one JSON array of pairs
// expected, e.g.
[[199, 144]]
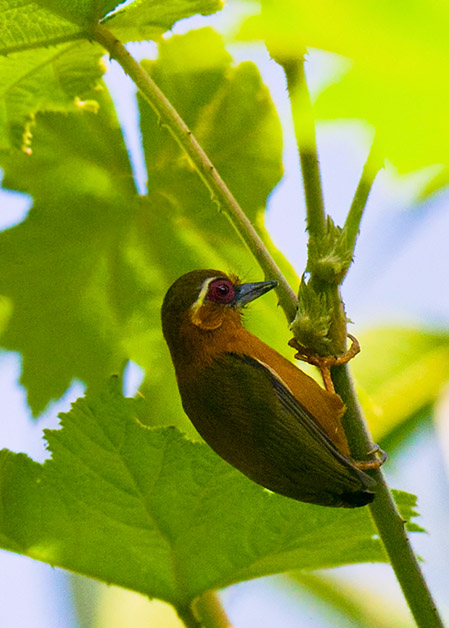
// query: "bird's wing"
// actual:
[[247, 414]]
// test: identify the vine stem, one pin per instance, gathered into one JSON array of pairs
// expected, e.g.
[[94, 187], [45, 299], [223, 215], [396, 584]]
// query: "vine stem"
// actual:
[[372, 166], [220, 193], [305, 136], [383, 510]]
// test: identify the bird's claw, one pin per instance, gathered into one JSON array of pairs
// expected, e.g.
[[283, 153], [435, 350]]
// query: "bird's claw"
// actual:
[[364, 465], [324, 363]]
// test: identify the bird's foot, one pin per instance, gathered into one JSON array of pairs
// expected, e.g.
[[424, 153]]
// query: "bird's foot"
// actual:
[[364, 465], [325, 363]]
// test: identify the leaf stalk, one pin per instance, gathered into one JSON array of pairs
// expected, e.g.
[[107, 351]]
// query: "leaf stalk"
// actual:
[[211, 611]]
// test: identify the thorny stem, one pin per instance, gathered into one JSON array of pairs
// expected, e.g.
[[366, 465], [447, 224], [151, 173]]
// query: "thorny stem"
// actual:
[[387, 518], [388, 521], [205, 168], [383, 509], [305, 134]]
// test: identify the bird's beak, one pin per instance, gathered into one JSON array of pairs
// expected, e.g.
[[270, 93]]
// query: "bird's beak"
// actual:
[[247, 292]]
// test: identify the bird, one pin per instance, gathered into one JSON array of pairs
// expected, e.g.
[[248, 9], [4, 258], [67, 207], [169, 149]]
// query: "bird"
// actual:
[[257, 410]]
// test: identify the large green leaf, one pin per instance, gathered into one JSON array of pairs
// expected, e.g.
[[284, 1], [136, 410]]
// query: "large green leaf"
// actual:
[[33, 23], [149, 510], [231, 113], [57, 265], [37, 78], [399, 61], [149, 19], [87, 271], [26, 24], [47, 79]]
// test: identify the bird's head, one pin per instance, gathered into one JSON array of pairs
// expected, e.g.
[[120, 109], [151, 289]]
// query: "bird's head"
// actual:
[[205, 299]]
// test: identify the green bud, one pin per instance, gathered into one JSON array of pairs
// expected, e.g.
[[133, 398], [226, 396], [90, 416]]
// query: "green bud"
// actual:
[[331, 256], [312, 321]]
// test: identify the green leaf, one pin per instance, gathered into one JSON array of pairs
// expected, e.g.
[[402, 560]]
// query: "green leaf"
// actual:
[[231, 113], [399, 372], [34, 23], [397, 55], [149, 510], [54, 266], [36, 78], [96, 259], [81, 11], [149, 19], [48, 79], [28, 24]]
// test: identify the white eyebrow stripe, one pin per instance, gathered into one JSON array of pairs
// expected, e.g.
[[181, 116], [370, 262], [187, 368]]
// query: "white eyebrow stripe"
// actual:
[[202, 295]]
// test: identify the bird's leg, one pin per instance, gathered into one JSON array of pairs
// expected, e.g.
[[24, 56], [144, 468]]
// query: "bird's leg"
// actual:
[[325, 363], [372, 464]]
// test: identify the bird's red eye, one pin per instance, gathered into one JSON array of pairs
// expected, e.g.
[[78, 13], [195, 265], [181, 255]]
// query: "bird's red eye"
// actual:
[[221, 291]]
